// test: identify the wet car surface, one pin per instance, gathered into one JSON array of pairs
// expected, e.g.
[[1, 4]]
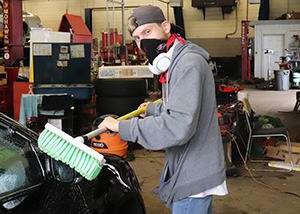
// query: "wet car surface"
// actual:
[[33, 182]]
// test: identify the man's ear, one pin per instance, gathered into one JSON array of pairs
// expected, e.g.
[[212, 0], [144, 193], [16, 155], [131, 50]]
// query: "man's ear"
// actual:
[[166, 25]]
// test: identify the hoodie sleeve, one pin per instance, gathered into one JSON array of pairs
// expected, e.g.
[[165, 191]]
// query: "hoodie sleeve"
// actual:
[[154, 109], [178, 119]]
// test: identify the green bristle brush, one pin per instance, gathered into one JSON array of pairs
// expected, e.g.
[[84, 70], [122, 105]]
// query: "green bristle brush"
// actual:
[[73, 151], [69, 150]]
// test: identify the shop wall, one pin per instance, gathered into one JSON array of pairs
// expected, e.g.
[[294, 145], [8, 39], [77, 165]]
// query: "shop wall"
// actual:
[[209, 33]]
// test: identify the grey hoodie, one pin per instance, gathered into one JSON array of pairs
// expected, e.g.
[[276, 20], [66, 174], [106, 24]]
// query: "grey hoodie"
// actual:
[[186, 126]]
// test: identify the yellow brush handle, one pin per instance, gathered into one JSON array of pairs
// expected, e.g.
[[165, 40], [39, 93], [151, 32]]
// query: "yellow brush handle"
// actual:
[[98, 131], [136, 112]]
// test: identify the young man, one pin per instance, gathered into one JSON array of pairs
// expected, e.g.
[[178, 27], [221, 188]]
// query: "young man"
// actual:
[[185, 124]]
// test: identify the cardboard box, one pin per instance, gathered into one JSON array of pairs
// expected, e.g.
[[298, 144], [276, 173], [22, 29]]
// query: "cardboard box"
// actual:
[[295, 153], [3, 78], [2, 68], [281, 152], [134, 71], [275, 152], [295, 147], [295, 157]]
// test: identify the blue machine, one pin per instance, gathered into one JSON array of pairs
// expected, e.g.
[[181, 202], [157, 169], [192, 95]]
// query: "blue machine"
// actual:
[[62, 68]]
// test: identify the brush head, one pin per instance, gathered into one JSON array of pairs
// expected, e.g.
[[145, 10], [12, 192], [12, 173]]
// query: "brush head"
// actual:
[[65, 148]]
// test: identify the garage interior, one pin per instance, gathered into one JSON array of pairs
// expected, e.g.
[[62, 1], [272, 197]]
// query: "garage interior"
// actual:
[[79, 54]]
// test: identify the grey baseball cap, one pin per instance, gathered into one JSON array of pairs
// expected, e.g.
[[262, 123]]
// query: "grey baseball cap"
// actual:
[[149, 14]]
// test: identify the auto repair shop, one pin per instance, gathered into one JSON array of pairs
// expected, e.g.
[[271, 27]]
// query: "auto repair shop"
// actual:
[[67, 65]]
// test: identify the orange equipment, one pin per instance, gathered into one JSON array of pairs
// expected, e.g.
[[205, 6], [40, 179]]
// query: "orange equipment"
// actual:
[[104, 143]]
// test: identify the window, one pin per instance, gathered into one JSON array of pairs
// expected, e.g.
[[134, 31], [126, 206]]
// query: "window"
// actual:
[[19, 168]]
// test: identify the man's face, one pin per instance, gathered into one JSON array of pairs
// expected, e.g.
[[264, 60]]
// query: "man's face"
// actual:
[[152, 31]]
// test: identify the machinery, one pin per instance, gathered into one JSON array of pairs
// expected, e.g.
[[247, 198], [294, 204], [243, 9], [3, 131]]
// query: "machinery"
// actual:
[[16, 26], [291, 61], [64, 68], [226, 5]]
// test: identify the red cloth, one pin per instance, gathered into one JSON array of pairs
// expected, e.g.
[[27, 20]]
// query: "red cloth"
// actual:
[[171, 40]]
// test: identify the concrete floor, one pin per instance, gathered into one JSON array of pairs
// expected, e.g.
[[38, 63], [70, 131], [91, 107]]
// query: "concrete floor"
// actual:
[[245, 196]]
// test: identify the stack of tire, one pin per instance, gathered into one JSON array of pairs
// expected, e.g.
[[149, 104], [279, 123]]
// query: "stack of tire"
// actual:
[[119, 96]]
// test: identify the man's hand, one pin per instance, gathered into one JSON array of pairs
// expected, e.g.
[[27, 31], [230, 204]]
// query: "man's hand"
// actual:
[[143, 115], [110, 123]]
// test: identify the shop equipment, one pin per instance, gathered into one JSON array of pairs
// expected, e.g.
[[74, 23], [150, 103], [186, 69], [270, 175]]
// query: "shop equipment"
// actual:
[[65, 148], [297, 105], [62, 68], [73, 151], [256, 132]]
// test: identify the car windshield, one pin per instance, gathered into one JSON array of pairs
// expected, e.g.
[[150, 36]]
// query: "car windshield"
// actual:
[[19, 168]]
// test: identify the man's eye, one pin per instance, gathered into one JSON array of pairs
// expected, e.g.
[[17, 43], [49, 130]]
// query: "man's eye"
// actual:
[[147, 31], [137, 38]]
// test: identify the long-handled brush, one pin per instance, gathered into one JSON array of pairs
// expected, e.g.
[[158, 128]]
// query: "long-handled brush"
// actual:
[[73, 152], [97, 132], [65, 148]]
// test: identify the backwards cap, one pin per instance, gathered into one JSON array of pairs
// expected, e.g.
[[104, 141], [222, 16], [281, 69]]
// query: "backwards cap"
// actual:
[[148, 14]]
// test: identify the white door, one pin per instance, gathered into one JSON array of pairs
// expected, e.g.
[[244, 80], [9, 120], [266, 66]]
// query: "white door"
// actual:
[[274, 45]]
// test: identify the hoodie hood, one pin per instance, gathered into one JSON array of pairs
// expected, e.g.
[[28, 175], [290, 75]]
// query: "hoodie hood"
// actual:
[[180, 49], [192, 48]]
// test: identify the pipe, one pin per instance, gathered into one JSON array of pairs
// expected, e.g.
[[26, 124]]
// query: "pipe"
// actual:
[[247, 11], [236, 23], [114, 22], [123, 17], [108, 31], [108, 25], [123, 23]]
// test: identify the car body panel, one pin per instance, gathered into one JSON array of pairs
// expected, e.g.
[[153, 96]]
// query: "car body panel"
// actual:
[[115, 189]]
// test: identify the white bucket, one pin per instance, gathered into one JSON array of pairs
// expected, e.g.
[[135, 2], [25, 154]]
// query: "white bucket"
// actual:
[[282, 80], [242, 94], [296, 79]]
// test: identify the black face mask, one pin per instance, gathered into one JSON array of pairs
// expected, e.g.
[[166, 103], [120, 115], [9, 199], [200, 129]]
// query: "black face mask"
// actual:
[[153, 47]]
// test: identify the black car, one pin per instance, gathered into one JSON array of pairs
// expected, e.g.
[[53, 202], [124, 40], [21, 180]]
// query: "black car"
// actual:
[[33, 182]]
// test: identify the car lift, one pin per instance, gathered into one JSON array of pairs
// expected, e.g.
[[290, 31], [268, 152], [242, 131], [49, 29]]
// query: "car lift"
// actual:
[[13, 31], [246, 73], [13, 48]]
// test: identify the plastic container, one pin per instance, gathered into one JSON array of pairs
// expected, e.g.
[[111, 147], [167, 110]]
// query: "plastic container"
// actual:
[[242, 94], [282, 80], [296, 79]]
